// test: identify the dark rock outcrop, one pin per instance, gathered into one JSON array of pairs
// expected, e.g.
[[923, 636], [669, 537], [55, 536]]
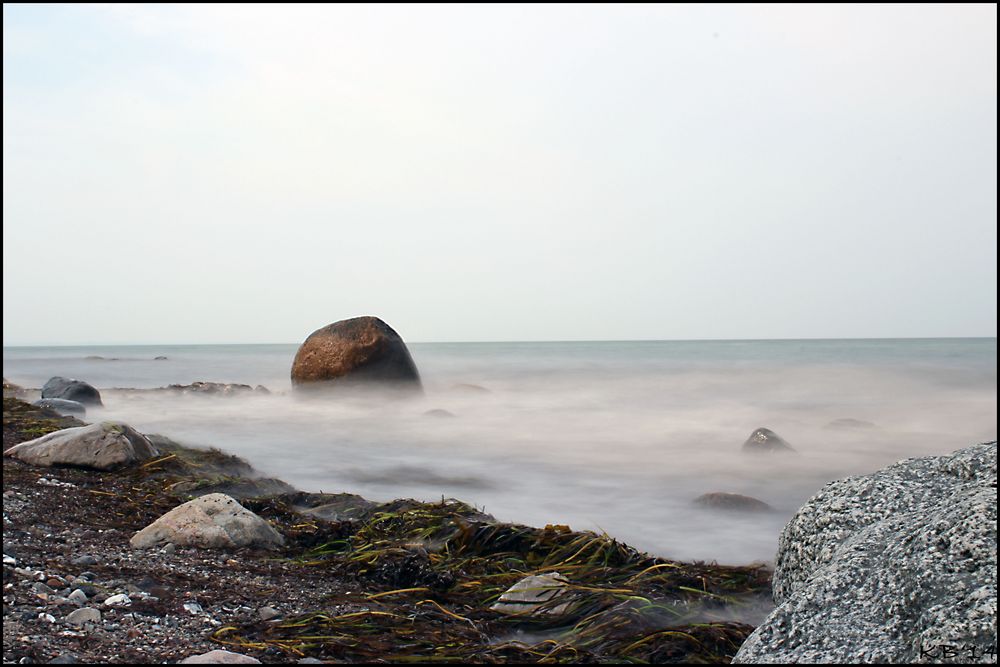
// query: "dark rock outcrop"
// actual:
[[766, 440], [72, 390], [732, 502], [362, 349]]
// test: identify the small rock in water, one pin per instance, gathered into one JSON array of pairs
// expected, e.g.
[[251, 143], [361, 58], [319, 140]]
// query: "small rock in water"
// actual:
[[219, 657], [766, 440], [438, 412], [732, 502]]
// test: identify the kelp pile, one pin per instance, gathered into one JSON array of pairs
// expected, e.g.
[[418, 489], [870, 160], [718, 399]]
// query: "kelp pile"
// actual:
[[433, 570]]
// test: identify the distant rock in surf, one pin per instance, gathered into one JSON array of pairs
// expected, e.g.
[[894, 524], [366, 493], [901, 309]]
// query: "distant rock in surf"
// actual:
[[72, 390], [361, 349], [732, 501], [471, 388], [438, 412], [766, 440], [215, 388], [849, 424], [161, 358]]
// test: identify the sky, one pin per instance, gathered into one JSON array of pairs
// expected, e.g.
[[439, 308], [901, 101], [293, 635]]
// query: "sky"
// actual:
[[247, 174]]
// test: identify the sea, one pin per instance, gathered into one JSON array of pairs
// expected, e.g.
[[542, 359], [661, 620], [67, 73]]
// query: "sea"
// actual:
[[612, 436]]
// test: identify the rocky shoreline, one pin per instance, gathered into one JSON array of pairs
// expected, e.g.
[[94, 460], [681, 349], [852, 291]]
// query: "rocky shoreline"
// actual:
[[354, 582]]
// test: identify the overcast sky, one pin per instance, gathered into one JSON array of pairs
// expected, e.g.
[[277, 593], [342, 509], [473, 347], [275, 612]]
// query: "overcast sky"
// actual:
[[223, 174]]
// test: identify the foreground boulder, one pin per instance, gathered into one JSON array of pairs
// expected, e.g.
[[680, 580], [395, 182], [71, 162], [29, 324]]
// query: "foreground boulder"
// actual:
[[732, 502], [62, 406], [766, 440], [898, 566], [213, 521], [72, 390], [364, 349], [104, 446]]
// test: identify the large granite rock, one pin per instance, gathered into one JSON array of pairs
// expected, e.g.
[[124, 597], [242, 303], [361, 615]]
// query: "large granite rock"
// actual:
[[363, 349], [898, 566], [766, 440], [104, 446], [213, 521], [71, 390]]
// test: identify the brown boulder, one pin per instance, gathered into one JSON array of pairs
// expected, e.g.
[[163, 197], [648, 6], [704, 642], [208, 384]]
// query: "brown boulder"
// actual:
[[365, 349]]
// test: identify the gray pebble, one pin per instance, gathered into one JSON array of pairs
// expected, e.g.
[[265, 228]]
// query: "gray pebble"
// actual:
[[84, 615], [267, 613], [85, 559]]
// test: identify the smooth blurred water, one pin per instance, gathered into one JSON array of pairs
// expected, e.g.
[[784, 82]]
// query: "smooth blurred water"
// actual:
[[614, 436]]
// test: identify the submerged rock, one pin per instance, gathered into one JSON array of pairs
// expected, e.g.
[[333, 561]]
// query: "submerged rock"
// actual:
[[213, 521], [766, 440], [732, 501], [62, 406], [72, 390], [535, 595], [363, 349], [103, 446], [438, 412], [848, 424], [898, 566]]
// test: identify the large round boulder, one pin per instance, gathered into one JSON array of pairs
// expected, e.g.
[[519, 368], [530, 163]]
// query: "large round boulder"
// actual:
[[363, 349], [72, 390]]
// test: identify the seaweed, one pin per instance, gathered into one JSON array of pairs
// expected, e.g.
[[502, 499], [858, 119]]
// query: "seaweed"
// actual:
[[435, 569]]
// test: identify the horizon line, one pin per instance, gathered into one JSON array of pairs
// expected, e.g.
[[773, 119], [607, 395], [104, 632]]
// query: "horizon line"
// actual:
[[496, 342]]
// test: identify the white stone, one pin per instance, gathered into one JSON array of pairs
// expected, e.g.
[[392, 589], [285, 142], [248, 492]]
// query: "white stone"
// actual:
[[534, 595], [213, 521], [103, 446]]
